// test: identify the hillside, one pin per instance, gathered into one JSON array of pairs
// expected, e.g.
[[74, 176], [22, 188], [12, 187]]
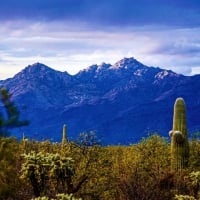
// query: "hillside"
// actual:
[[121, 102]]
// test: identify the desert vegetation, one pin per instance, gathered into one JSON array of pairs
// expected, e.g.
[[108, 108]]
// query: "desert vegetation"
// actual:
[[45, 170], [156, 168]]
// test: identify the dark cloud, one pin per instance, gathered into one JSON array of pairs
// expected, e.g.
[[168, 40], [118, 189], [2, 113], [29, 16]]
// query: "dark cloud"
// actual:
[[106, 12]]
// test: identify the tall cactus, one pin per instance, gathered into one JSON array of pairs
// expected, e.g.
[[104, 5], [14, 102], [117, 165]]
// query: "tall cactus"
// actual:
[[64, 135], [179, 138]]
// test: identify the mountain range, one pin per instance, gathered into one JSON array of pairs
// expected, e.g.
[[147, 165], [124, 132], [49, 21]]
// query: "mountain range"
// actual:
[[121, 103]]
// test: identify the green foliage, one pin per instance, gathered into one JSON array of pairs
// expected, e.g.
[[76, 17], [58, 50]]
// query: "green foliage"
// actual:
[[42, 198], [194, 161], [66, 197], [179, 138], [146, 176], [59, 197], [135, 172], [193, 183], [92, 178], [11, 120], [9, 181], [195, 176], [40, 168], [184, 197], [88, 139]]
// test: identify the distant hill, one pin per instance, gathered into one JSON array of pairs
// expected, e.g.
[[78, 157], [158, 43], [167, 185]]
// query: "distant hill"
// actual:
[[122, 102]]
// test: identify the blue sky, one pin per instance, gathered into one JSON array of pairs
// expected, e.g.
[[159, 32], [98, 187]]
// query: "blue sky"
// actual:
[[69, 35]]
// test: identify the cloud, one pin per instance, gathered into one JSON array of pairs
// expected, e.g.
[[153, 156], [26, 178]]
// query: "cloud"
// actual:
[[105, 13], [183, 42], [73, 34], [66, 48]]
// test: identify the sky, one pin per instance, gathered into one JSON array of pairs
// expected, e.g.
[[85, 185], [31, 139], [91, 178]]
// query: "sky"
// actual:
[[70, 35]]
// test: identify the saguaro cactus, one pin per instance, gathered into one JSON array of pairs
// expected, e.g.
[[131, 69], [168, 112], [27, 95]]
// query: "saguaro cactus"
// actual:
[[179, 138], [64, 135]]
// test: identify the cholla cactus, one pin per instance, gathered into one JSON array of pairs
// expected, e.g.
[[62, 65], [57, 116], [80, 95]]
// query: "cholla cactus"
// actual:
[[67, 197], [59, 197], [179, 138], [43, 168], [184, 197], [64, 135]]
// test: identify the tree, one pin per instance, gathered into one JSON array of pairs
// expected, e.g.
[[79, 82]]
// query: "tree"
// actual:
[[146, 175], [93, 178], [9, 182], [9, 117]]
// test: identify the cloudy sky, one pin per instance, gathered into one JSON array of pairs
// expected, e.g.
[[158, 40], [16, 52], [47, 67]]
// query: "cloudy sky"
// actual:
[[69, 35]]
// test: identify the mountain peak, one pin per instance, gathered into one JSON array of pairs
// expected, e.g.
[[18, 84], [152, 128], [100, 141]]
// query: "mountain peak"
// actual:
[[37, 67], [108, 99], [127, 63], [38, 70], [95, 69], [103, 66], [37, 64]]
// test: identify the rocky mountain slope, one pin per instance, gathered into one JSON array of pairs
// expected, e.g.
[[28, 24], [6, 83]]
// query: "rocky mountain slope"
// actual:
[[122, 102]]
